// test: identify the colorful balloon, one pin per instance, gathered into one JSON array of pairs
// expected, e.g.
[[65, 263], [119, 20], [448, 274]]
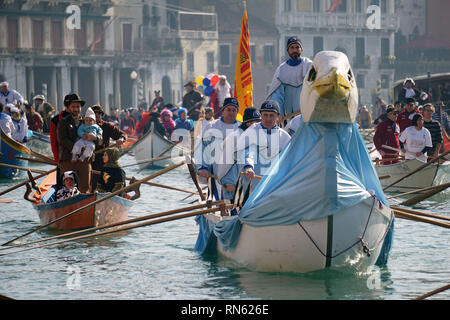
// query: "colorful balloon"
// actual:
[[206, 82], [199, 80], [209, 91], [214, 80]]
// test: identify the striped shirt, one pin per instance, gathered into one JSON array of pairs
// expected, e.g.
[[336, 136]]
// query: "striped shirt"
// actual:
[[435, 131]]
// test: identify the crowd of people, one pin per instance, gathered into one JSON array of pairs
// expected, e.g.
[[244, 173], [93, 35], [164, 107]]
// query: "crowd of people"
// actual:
[[81, 142]]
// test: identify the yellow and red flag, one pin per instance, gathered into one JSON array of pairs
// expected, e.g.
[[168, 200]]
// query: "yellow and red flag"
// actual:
[[243, 81]]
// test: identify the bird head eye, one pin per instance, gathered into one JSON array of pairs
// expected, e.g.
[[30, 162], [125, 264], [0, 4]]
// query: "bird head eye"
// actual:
[[312, 74]]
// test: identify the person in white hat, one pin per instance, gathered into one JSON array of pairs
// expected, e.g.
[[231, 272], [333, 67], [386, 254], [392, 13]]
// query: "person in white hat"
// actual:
[[6, 123], [20, 125], [89, 126], [9, 95], [45, 109], [69, 189]]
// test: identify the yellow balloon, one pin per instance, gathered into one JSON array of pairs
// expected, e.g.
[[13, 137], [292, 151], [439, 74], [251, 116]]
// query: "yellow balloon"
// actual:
[[199, 80]]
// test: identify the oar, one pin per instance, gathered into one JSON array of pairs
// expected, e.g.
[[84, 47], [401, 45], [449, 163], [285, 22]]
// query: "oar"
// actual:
[[7, 201], [147, 160], [129, 187], [432, 293], [154, 184], [20, 168], [420, 213], [137, 225], [194, 177], [208, 204], [25, 182], [36, 160], [418, 191], [418, 169], [425, 195], [387, 176], [161, 154], [408, 216]]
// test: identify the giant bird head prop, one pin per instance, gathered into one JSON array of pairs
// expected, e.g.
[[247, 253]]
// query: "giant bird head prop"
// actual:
[[329, 91]]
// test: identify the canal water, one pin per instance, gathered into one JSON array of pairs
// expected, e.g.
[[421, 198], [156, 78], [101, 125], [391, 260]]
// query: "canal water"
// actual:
[[159, 261]]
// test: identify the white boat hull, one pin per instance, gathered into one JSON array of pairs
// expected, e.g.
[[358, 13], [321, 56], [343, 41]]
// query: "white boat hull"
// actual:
[[331, 242], [152, 145], [434, 174]]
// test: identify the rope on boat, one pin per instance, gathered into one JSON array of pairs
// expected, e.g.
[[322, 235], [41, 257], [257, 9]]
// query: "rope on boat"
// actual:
[[364, 244]]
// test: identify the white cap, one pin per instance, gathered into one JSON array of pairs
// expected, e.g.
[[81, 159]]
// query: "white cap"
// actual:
[[39, 96], [90, 113], [4, 84], [68, 174], [14, 109]]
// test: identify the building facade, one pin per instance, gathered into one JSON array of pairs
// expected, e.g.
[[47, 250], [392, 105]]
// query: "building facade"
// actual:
[[105, 51], [366, 37]]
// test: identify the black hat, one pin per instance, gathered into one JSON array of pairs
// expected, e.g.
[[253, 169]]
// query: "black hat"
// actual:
[[250, 114], [190, 83], [410, 100], [73, 97], [270, 105], [390, 109], [293, 40], [97, 108], [230, 101]]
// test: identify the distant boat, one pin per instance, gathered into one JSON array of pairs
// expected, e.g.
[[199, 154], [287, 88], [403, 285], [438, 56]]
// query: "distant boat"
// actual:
[[39, 141], [10, 149], [153, 145], [434, 174], [113, 210]]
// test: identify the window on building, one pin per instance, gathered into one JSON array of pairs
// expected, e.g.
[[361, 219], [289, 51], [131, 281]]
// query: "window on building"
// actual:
[[253, 52], [383, 6], [225, 54], [317, 44], [269, 55], [360, 47], [287, 6], [57, 36], [316, 5], [98, 36], [80, 37], [385, 47], [13, 33], [361, 81], [385, 81], [342, 6], [38, 34], [127, 36], [190, 61], [359, 6], [210, 62]]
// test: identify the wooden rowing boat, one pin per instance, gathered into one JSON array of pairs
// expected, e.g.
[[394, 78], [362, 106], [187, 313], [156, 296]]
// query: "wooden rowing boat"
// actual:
[[10, 149], [434, 174], [109, 211], [153, 145]]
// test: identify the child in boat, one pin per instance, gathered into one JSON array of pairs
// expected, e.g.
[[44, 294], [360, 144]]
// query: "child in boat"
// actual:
[[112, 176], [89, 125], [69, 189]]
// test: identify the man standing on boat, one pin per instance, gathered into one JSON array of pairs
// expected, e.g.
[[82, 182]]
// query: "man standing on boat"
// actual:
[[213, 156], [435, 129], [67, 136], [387, 134], [270, 141], [110, 131], [45, 109], [287, 81], [6, 123], [405, 117], [9, 95]]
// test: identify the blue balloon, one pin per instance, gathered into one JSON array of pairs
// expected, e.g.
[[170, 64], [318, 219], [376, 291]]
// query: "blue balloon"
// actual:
[[209, 91], [206, 82]]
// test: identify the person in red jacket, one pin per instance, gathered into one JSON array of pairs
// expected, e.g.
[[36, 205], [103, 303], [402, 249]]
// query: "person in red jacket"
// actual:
[[53, 133], [405, 117], [387, 133]]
